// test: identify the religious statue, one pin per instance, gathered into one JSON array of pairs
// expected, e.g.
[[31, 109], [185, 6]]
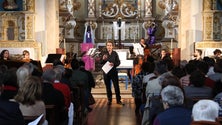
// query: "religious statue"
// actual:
[[10, 5], [88, 35], [151, 33]]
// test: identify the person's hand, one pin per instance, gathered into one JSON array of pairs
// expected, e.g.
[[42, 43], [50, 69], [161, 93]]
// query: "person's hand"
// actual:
[[105, 57], [111, 64]]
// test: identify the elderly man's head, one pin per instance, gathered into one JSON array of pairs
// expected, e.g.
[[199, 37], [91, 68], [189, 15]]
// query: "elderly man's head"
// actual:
[[172, 96], [205, 110]]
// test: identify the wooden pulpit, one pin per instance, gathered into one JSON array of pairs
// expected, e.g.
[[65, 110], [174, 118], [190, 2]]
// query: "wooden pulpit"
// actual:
[[176, 56]]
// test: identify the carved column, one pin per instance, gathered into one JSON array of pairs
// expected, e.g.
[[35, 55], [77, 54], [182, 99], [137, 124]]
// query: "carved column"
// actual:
[[91, 20], [91, 8], [207, 20], [207, 5], [148, 8], [30, 5], [148, 19], [29, 26]]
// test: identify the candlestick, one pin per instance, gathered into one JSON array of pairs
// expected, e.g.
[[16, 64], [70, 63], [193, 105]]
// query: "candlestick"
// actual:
[[64, 41]]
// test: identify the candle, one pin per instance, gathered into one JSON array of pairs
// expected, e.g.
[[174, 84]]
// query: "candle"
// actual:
[[171, 44], [64, 40]]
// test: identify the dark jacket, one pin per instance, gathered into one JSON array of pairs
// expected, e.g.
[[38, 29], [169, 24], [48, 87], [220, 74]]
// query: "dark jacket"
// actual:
[[174, 116], [10, 113]]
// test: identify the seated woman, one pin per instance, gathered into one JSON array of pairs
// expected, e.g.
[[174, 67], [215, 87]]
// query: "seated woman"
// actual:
[[205, 112], [26, 56], [4, 55], [29, 98]]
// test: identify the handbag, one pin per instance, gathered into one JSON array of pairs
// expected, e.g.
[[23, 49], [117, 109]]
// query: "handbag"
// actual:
[[91, 99]]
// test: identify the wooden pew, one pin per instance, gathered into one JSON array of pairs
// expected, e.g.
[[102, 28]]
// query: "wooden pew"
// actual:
[[78, 101], [50, 114]]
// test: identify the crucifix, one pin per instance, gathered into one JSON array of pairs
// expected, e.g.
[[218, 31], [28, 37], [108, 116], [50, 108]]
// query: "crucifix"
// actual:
[[119, 31]]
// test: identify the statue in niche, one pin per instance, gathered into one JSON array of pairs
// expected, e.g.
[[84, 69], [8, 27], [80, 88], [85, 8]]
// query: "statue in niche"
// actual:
[[151, 33], [10, 30], [10, 5]]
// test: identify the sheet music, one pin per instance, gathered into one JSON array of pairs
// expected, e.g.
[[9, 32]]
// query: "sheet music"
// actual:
[[35, 122], [138, 49], [91, 51], [107, 67]]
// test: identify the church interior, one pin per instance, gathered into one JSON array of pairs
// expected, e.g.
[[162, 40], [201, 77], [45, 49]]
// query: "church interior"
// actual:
[[45, 27], [81, 28]]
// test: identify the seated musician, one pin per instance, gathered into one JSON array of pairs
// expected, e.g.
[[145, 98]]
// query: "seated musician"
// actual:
[[26, 56], [4, 55]]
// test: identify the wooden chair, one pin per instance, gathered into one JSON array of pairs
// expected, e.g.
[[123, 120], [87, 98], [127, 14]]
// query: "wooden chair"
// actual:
[[219, 119], [50, 114], [78, 101], [28, 119]]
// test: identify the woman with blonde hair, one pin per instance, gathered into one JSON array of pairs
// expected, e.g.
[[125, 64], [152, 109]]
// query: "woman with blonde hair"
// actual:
[[29, 98]]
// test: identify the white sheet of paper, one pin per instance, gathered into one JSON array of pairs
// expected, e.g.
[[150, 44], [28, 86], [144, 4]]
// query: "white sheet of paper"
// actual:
[[35, 122], [138, 49], [107, 67]]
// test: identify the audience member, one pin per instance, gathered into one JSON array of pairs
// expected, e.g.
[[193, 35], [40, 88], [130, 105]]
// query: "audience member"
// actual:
[[178, 72], [175, 113], [210, 62], [91, 80], [205, 112], [137, 87], [203, 67], [185, 80], [10, 114], [61, 86], [218, 71], [51, 96], [10, 84], [29, 98], [197, 88], [4, 55], [22, 73], [152, 93]]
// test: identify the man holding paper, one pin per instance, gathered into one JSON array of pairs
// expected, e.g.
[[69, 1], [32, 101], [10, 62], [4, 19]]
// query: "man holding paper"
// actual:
[[110, 59]]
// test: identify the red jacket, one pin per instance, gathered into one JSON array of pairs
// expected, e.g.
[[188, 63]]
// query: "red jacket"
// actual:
[[65, 91]]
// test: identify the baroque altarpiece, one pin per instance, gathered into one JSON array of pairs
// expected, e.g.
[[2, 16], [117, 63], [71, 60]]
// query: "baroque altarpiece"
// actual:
[[17, 21]]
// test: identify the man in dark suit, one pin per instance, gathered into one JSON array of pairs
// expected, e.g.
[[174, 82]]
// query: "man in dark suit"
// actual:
[[10, 113]]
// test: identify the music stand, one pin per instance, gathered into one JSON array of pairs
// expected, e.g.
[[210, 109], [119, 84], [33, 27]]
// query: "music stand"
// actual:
[[52, 57]]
